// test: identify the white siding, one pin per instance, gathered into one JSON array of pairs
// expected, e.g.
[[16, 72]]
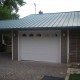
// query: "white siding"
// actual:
[[44, 48]]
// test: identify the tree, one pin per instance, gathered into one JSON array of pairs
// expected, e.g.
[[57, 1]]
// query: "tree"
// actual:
[[9, 9], [6, 14]]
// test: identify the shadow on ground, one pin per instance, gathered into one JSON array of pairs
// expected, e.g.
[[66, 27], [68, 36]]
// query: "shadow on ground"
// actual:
[[52, 78]]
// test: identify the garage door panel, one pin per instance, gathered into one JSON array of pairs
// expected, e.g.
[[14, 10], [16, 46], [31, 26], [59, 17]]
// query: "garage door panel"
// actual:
[[40, 49], [39, 57]]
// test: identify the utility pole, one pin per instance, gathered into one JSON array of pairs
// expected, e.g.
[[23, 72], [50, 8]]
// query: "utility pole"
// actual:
[[35, 7]]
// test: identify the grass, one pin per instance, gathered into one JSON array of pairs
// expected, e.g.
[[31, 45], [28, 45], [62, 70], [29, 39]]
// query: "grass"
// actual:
[[74, 77]]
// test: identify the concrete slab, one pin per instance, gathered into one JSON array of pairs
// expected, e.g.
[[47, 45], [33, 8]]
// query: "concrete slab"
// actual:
[[29, 70]]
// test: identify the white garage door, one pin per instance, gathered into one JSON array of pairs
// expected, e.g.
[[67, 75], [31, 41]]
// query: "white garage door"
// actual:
[[40, 46]]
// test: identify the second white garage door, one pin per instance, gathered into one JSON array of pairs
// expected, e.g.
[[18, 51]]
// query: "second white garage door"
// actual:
[[40, 46]]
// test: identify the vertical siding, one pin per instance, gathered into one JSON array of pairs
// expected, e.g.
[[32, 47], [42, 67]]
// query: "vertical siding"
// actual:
[[64, 46], [74, 45], [15, 45]]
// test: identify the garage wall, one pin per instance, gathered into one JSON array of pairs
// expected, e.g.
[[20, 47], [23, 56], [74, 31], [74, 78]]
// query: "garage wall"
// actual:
[[32, 48], [64, 46], [15, 45], [74, 46]]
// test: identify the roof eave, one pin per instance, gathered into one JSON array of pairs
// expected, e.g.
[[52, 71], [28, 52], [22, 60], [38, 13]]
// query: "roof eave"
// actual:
[[42, 28]]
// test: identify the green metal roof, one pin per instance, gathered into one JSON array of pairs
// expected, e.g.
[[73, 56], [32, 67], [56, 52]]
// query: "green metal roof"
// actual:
[[49, 20]]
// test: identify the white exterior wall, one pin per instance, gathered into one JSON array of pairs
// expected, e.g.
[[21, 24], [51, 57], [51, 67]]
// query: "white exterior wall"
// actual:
[[44, 48]]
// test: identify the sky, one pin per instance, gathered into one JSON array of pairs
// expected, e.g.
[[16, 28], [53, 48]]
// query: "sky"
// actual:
[[48, 6]]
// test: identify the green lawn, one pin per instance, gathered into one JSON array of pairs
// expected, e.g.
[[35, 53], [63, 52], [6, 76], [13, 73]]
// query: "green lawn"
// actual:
[[74, 77]]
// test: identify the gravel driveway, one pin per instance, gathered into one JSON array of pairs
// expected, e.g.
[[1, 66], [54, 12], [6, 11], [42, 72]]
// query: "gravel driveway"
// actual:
[[29, 70]]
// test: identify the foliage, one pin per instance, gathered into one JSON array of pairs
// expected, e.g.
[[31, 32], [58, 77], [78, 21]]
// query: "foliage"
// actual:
[[74, 77], [12, 4], [6, 14], [9, 9]]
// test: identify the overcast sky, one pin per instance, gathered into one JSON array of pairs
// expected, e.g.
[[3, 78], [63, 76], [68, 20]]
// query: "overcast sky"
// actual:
[[49, 6]]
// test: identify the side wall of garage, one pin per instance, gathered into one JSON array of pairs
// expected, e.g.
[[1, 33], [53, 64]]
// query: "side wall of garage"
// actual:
[[74, 45], [15, 45], [64, 47]]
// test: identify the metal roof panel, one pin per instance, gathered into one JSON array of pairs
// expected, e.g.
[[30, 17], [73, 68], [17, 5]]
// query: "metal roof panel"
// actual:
[[66, 20], [75, 21], [49, 20], [60, 24], [70, 23]]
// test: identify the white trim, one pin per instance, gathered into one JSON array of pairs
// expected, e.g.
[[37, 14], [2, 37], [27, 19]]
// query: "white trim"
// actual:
[[12, 45], [67, 46], [18, 48], [60, 47]]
